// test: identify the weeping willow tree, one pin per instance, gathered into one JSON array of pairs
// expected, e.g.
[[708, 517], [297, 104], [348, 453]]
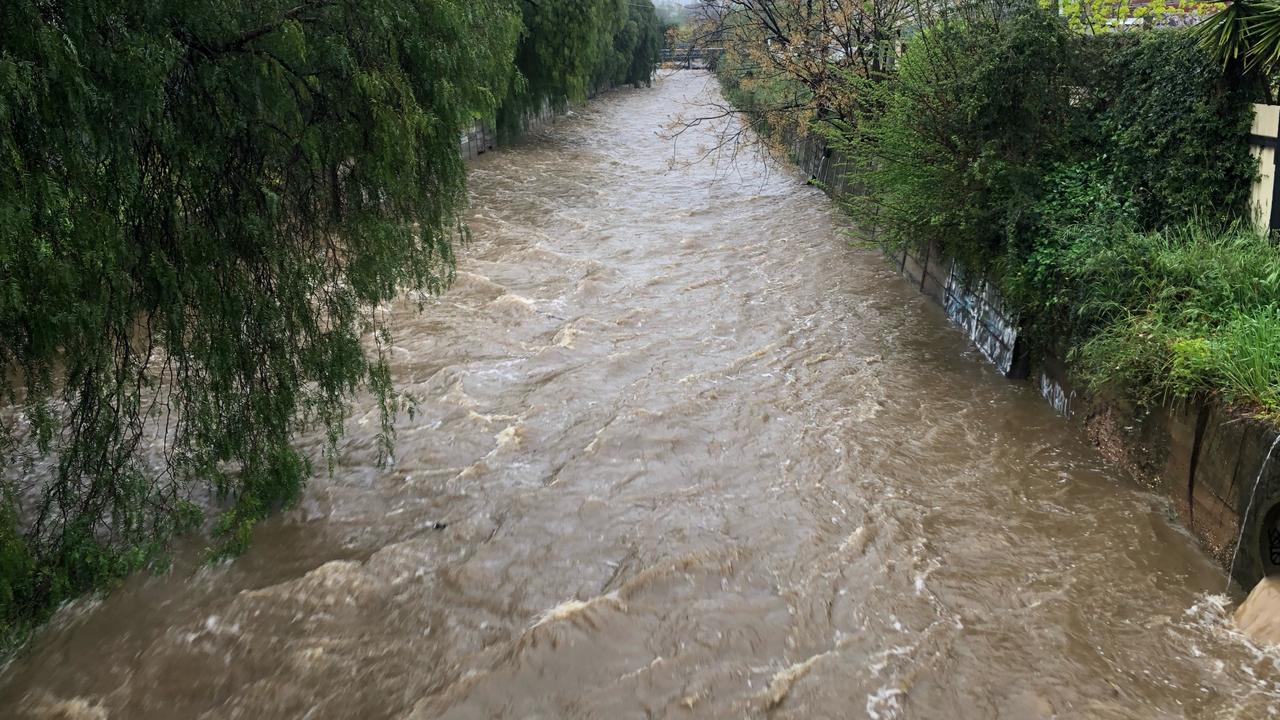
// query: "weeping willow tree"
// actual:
[[200, 202], [631, 46], [570, 48]]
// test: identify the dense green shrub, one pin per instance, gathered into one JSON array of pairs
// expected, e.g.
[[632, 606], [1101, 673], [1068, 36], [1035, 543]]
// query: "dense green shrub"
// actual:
[[639, 45], [16, 570], [1079, 214], [1079, 173], [958, 141], [1127, 265], [631, 48], [1172, 127]]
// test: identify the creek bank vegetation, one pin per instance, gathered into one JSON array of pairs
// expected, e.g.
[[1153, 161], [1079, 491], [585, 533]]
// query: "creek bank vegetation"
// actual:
[[1098, 172], [202, 203]]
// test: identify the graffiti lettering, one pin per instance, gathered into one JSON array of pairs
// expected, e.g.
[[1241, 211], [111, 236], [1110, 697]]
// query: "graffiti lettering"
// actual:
[[1273, 544]]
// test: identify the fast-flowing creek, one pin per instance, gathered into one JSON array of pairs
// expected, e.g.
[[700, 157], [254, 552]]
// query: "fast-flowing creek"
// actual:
[[681, 450]]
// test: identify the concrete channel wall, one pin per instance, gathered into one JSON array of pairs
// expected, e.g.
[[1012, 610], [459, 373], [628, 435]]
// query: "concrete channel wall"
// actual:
[[1211, 463], [481, 137], [972, 304]]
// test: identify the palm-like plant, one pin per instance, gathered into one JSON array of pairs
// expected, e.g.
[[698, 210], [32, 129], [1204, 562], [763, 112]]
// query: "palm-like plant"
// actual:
[[1245, 32]]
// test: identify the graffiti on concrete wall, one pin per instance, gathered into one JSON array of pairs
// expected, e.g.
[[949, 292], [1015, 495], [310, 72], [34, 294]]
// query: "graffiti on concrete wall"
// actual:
[[1052, 391], [979, 310]]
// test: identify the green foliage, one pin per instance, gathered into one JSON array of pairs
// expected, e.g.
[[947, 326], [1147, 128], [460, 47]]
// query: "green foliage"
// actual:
[[1076, 172], [1076, 218], [1171, 313], [16, 571], [1121, 269], [1080, 173], [570, 48], [957, 142], [629, 46], [1190, 309], [1172, 126], [200, 204], [1245, 358], [1156, 314], [639, 45], [1246, 32]]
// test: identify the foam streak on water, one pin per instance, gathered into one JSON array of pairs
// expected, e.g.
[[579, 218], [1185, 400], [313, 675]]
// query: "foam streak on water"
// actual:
[[680, 450]]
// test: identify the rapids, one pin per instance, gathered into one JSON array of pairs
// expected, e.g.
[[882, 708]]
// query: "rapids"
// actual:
[[682, 449]]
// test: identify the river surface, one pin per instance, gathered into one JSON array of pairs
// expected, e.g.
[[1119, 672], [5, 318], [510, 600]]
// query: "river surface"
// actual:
[[682, 450]]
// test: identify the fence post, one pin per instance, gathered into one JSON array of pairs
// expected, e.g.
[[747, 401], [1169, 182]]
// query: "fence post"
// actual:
[[1266, 188]]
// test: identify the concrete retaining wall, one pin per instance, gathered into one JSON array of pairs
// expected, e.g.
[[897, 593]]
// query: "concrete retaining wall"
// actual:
[[973, 305], [824, 165], [481, 138], [1208, 460], [477, 141]]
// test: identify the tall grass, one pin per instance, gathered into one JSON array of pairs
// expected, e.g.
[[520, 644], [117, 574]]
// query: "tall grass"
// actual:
[[1248, 360], [1190, 310]]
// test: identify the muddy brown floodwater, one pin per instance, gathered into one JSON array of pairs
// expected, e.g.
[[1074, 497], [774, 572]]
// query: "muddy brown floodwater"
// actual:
[[696, 455]]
